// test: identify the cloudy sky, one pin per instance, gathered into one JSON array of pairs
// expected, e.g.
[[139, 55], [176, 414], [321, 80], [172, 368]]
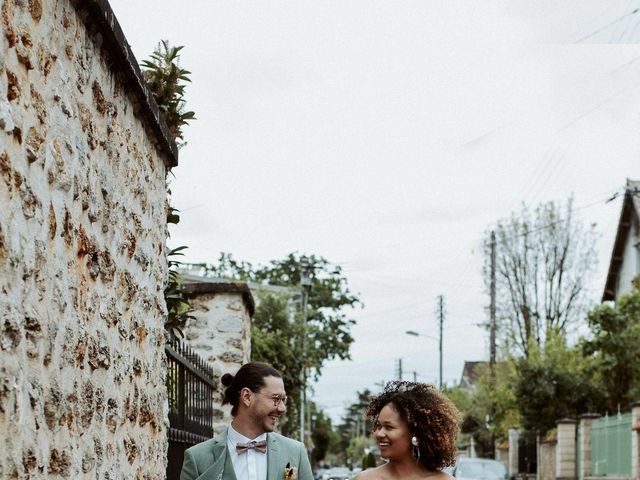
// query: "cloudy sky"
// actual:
[[387, 137]]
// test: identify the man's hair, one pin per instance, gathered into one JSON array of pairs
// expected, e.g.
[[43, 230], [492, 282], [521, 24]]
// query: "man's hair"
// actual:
[[430, 416], [251, 375]]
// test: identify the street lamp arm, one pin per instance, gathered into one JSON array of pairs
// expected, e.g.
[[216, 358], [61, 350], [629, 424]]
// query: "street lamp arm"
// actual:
[[416, 334]]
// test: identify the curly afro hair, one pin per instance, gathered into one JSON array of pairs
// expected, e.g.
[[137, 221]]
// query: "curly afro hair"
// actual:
[[430, 416]]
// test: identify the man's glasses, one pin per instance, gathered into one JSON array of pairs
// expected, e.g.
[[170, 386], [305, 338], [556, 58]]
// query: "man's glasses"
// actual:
[[277, 399]]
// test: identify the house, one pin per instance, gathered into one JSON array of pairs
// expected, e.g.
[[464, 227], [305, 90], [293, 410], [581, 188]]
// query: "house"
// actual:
[[471, 372], [625, 258]]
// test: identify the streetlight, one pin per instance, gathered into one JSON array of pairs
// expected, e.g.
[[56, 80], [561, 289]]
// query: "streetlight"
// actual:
[[416, 334], [305, 283]]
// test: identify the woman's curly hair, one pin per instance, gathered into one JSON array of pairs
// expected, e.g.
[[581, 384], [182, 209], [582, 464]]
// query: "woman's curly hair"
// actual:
[[430, 416]]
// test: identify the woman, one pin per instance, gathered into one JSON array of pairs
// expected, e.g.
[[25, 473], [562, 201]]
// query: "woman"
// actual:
[[416, 428]]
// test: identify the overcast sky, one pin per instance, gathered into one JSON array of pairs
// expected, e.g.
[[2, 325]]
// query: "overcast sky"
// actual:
[[387, 137]]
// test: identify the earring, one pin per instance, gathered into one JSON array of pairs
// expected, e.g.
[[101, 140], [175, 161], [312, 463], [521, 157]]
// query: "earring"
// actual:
[[416, 448]]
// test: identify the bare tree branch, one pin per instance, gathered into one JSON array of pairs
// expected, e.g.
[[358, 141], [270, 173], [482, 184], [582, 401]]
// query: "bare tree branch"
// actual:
[[543, 261]]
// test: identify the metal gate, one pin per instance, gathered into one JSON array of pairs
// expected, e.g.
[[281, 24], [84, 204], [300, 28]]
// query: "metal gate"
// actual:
[[611, 446], [527, 454], [190, 389]]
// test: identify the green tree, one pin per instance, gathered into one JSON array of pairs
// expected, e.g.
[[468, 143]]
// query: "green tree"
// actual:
[[276, 339], [178, 308], [357, 448], [543, 262], [354, 424], [477, 402], [325, 439], [166, 80], [368, 461], [614, 349], [553, 383]]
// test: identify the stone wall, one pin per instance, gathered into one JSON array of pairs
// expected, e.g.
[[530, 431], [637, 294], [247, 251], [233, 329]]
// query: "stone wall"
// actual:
[[82, 233], [547, 460], [566, 449], [512, 464], [220, 331], [502, 454]]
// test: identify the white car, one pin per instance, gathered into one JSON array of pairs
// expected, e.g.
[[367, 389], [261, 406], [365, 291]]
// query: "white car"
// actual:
[[479, 469], [337, 473]]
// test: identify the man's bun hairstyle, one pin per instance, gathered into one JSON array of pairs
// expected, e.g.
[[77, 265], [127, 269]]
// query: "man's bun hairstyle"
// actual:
[[226, 379]]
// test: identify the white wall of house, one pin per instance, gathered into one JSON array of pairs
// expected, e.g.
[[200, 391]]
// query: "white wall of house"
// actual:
[[630, 266]]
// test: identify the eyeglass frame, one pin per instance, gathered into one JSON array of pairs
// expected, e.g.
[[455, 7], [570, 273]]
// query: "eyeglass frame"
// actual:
[[276, 398]]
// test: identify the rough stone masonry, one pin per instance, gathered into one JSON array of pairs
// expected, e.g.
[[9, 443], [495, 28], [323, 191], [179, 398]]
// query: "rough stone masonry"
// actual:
[[82, 237]]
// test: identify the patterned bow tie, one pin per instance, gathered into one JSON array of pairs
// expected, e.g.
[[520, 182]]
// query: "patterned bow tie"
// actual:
[[258, 446]]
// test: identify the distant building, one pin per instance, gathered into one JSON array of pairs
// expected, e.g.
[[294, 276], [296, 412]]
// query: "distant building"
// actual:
[[471, 372], [625, 258], [194, 274]]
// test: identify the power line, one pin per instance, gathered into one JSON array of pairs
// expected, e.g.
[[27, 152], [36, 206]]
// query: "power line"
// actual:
[[625, 29], [597, 107], [391, 310], [543, 168], [633, 32], [626, 64], [552, 224], [416, 280], [556, 162], [596, 18], [617, 20]]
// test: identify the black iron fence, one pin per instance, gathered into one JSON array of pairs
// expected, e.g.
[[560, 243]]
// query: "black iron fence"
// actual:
[[190, 388]]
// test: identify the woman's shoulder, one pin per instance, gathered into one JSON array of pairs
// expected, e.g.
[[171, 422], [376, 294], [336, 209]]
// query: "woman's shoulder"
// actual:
[[440, 475], [370, 474]]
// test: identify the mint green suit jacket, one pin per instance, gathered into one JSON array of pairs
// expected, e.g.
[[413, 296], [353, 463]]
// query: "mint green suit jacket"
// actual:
[[209, 460]]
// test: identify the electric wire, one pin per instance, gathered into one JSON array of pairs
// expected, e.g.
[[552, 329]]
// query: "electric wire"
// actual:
[[617, 20]]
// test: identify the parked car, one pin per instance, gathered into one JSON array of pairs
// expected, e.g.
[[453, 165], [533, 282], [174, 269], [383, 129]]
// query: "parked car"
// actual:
[[337, 473], [319, 472], [479, 469]]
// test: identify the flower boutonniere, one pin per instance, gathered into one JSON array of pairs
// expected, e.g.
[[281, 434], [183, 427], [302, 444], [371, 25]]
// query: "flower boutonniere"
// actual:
[[290, 473]]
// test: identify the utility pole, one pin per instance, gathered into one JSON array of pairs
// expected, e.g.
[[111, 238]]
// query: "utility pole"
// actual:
[[440, 321], [399, 369], [492, 310], [305, 283], [492, 334]]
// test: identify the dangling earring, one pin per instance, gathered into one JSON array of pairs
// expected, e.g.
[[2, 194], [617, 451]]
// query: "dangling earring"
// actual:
[[416, 449]]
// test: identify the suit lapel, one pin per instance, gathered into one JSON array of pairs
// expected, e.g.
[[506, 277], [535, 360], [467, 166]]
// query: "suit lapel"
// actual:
[[222, 468], [275, 465]]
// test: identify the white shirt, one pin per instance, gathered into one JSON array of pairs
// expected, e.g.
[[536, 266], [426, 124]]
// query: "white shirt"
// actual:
[[250, 465]]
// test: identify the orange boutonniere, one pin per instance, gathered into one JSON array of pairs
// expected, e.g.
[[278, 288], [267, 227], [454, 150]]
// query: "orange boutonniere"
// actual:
[[290, 473]]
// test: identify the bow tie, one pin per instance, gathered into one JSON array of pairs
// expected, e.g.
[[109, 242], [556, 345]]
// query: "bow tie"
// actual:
[[258, 446]]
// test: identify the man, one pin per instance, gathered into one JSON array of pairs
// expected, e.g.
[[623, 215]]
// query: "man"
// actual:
[[249, 449]]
